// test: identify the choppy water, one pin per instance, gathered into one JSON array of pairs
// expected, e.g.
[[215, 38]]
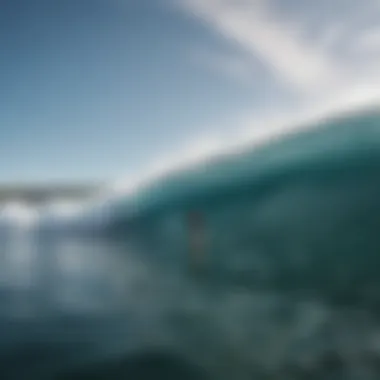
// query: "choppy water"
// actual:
[[88, 308], [291, 291], [70, 306], [64, 302]]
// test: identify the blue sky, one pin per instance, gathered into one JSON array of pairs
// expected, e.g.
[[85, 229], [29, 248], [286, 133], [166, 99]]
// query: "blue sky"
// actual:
[[106, 89]]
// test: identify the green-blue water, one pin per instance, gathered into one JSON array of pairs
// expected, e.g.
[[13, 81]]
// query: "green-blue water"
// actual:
[[289, 285], [291, 217]]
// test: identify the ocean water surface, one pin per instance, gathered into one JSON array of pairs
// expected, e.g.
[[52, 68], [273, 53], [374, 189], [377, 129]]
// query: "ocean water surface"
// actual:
[[288, 286]]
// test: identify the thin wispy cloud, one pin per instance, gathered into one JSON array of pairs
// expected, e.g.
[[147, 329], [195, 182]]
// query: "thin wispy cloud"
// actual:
[[251, 27], [325, 54], [235, 67], [322, 55], [369, 42], [312, 47]]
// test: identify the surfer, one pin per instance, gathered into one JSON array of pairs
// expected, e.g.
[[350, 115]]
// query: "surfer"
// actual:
[[197, 241]]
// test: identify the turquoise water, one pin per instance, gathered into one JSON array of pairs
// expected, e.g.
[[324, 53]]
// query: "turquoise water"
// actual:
[[289, 285], [335, 143], [291, 216], [293, 243]]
